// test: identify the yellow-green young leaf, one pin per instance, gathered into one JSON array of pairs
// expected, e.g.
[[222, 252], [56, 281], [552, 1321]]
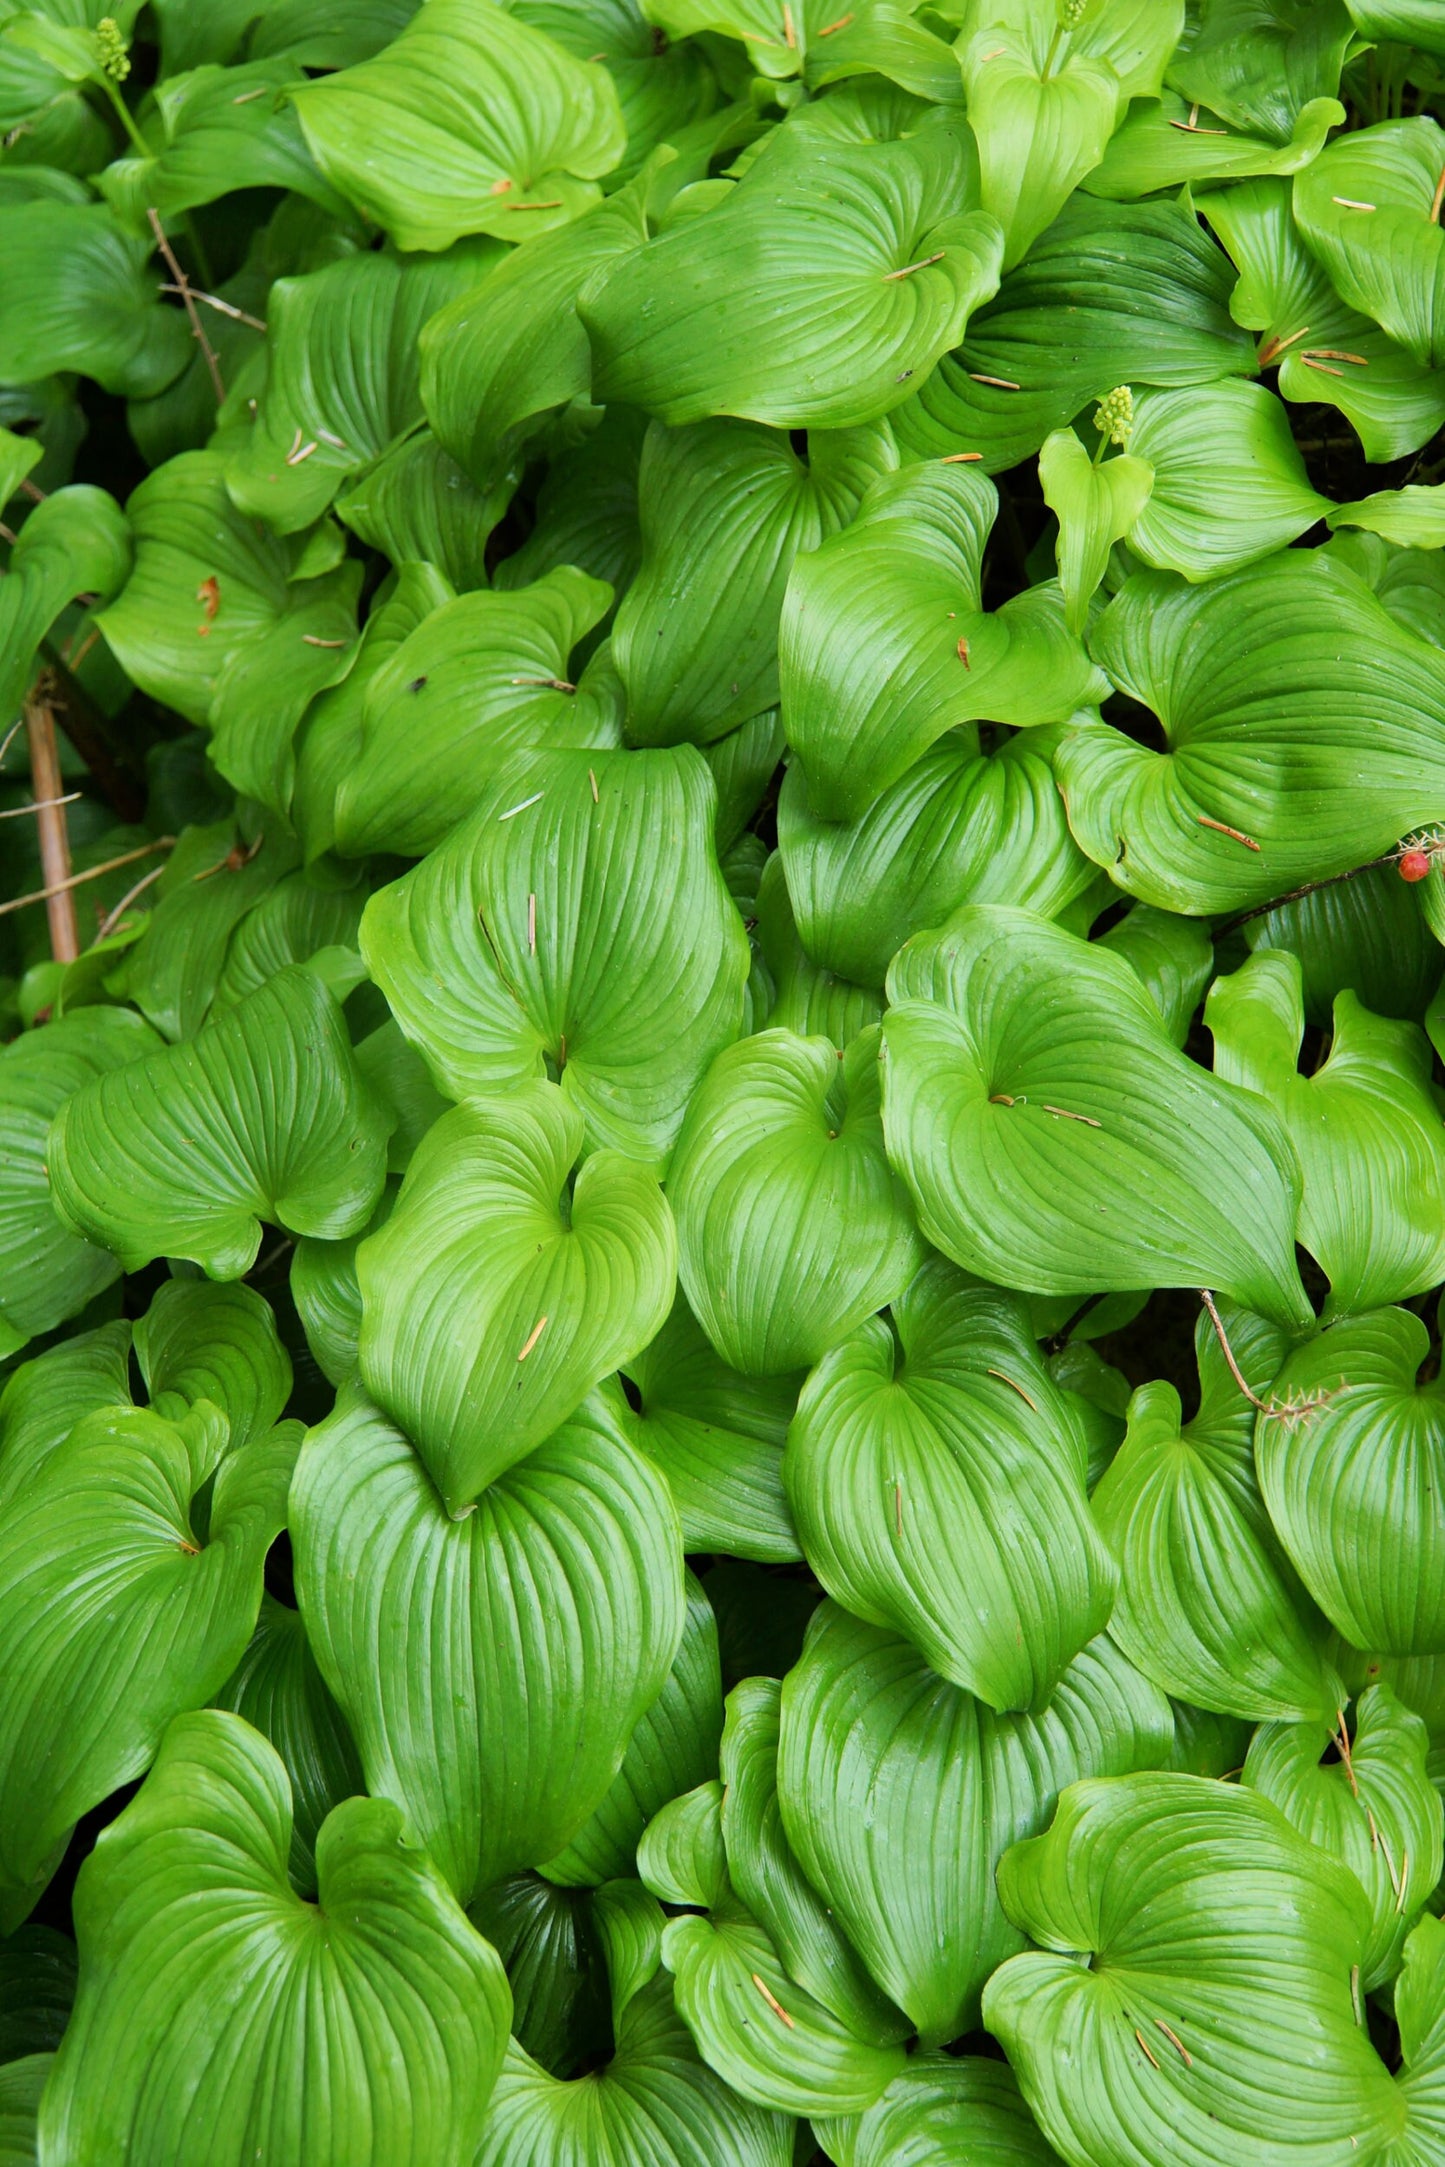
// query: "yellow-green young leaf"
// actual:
[[816, 44], [124, 1600], [220, 2016], [46, 1272], [1229, 482], [936, 1476], [1414, 22], [718, 1438], [1173, 141], [939, 2109], [1394, 401], [960, 826], [681, 1857], [1056, 1140], [480, 679], [296, 922], [1181, 1511], [342, 376], [1365, 1127], [725, 509], [493, 1300], [1096, 506], [1412, 517], [575, 926], [1219, 1938], [1351, 1457], [468, 122], [1047, 85], [45, 1397], [814, 294], [1367, 208], [1377, 1812], [885, 644], [792, 1226], [264, 1116], [1302, 732], [530, 1638], [764, 2034], [900, 1792]]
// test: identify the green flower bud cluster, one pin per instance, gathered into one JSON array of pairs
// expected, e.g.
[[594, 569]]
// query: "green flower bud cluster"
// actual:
[[113, 51], [1114, 416], [1072, 13]]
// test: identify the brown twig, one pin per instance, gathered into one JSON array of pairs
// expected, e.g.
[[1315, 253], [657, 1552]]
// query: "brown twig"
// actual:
[[183, 288], [213, 300], [112, 918], [1296, 895], [85, 726], [94, 872], [46, 787], [1223, 1337]]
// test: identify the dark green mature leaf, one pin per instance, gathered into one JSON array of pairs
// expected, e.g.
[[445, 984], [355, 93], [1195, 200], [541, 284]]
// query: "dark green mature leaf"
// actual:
[[1210, 1922], [280, 1692], [1113, 293], [1366, 936], [785, 302], [37, 1987], [936, 1476], [1257, 63], [548, 1941], [75, 543], [492, 1301], [416, 504], [900, 1793], [792, 1226], [587, 509], [295, 922], [46, 1272], [220, 2015], [885, 644], [264, 1116], [212, 879], [1365, 1127], [788, 990], [725, 509], [1302, 733], [673, 1749], [480, 679], [117, 1615], [1378, 1812], [469, 122], [1350, 1455], [327, 1294], [21, 2085], [577, 925], [1053, 1136], [1367, 209], [532, 1635], [959, 827], [1181, 1510], [718, 1438], [941, 2112], [76, 293]]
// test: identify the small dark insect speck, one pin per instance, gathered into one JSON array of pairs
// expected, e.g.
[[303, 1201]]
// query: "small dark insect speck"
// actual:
[[416, 684]]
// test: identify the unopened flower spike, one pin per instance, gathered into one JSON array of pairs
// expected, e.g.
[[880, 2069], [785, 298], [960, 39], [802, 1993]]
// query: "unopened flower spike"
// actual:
[[114, 53], [1072, 13], [1114, 417]]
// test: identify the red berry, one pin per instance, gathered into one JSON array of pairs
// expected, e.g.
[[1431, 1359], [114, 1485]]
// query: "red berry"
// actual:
[[1414, 864]]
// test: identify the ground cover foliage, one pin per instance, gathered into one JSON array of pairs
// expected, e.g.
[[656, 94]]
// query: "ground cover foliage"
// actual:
[[722, 1182]]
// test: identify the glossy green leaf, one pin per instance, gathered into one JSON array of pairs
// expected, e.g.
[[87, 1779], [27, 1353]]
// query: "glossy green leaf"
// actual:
[[1180, 1509], [788, 991], [264, 1116], [1204, 1919], [1229, 483], [718, 1438], [822, 48], [482, 678], [1365, 1127], [1053, 1136], [622, 978], [792, 1226], [936, 1477], [76, 292], [294, 922], [941, 2112], [202, 1342], [342, 376], [37, 1987], [681, 1857], [1365, 936], [1271, 686], [587, 508], [214, 877], [900, 1793], [280, 1692], [327, 1294], [119, 1612], [1350, 1463], [75, 543], [833, 276], [1414, 22], [1257, 63], [885, 644], [470, 121], [21, 2085], [1367, 209], [1173, 141], [537, 1631], [1379, 1814], [219, 2014], [45, 1397], [673, 1748], [492, 1300], [725, 509], [415, 504], [48, 1272], [1096, 506], [547, 1939], [1172, 957]]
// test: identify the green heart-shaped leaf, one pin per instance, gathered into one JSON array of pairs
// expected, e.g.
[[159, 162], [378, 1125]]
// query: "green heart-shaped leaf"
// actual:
[[1096, 506], [576, 925], [264, 1116], [1054, 1137], [1367, 207], [900, 1792], [492, 1301], [76, 542], [1170, 141], [936, 1475], [213, 879], [941, 2112], [217, 2009], [1229, 481], [201, 1342], [553, 1615], [78, 292]]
